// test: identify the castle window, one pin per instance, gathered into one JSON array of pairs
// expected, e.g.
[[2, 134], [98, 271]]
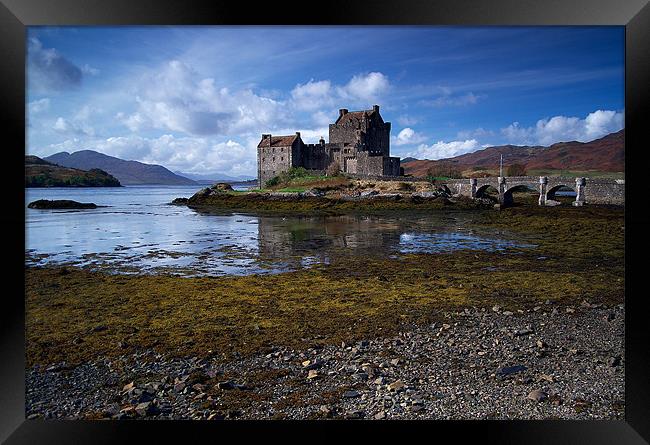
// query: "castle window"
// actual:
[[273, 160], [282, 158]]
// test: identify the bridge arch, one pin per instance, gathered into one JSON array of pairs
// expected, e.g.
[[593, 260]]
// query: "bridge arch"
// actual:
[[508, 199], [486, 190], [550, 193]]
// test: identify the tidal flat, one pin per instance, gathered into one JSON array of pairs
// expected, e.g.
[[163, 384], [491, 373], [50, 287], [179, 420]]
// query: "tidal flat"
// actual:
[[77, 317]]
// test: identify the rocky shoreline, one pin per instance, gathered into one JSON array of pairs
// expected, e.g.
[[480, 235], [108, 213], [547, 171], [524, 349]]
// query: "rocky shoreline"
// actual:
[[550, 361]]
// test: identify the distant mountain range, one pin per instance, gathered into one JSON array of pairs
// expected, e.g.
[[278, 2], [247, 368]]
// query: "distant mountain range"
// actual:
[[128, 172], [41, 173], [211, 179], [606, 154]]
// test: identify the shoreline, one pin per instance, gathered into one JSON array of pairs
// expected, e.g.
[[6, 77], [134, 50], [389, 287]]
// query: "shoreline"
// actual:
[[243, 339], [547, 362]]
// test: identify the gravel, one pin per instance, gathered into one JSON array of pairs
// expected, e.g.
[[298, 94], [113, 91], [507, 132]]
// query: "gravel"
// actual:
[[478, 364]]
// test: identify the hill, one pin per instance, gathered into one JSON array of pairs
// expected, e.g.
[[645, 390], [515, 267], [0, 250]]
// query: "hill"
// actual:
[[40, 173], [128, 172], [213, 178], [606, 154]]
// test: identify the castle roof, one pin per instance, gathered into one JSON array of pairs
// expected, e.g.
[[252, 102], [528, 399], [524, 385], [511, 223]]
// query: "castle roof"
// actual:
[[277, 141], [354, 115]]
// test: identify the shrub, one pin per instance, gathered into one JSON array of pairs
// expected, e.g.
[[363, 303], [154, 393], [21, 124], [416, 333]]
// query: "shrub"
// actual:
[[333, 169], [273, 182], [516, 170], [444, 170]]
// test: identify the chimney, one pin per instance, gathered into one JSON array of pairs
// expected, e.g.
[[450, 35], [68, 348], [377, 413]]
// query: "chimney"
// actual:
[[343, 112], [375, 108], [297, 133]]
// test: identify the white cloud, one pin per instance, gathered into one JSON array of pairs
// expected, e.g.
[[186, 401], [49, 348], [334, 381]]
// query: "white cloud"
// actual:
[[87, 69], [442, 150], [406, 120], [365, 87], [408, 136], [48, 70], [475, 134], [73, 127], [177, 99], [186, 154], [38, 106], [312, 95], [363, 90], [447, 98], [562, 128]]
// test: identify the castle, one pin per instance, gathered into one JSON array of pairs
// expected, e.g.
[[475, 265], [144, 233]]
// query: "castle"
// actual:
[[359, 143]]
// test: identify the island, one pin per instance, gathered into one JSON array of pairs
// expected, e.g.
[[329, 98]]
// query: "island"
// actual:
[[41, 173]]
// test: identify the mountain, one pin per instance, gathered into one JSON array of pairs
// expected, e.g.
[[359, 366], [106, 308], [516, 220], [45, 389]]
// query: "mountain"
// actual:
[[40, 173], [128, 172], [606, 154], [212, 178]]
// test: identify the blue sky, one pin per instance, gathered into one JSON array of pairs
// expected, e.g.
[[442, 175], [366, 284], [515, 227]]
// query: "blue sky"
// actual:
[[196, 99]]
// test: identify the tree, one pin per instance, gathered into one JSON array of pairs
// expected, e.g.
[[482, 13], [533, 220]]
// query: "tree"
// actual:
[[516, 170], [444, 170], [333, 169]]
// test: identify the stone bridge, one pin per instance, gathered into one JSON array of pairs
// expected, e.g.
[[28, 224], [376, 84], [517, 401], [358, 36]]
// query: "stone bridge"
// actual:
[[590, 191]]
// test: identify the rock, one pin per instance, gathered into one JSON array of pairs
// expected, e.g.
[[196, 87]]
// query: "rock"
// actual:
[[615, 361], [180, 201], [351, 394], [511, 370], [541, 344], [395, 361], [546, 377], [100, 328], [229, 384], [111, 410], [312, 374], [397, 385], [61, 204], [146, 409], [218, 415], [312, 364], [355, 415], [145, 397], [507, 313], [537, 395], [522, 332], [222, 187], [128, 387], [326, 410], [496, 308], [379, 381], [380, 415]]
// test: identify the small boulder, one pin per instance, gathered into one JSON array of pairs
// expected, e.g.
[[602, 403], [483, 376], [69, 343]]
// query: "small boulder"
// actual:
[[61, 204], [222, 187], [537, 395]]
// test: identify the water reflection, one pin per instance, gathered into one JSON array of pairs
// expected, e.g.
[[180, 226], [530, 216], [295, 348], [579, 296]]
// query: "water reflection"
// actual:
[[140, 232]]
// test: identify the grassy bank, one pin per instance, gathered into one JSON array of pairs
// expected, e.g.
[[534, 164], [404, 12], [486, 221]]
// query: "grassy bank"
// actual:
[[76, 315], [330, 205]]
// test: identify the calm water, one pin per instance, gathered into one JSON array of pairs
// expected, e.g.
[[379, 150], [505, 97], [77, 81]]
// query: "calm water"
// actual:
[[141, 232]]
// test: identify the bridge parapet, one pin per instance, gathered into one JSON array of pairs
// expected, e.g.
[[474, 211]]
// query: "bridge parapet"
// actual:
[[595, 191]]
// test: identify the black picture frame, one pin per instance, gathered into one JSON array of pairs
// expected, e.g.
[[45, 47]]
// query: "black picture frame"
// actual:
[[15, 15]]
